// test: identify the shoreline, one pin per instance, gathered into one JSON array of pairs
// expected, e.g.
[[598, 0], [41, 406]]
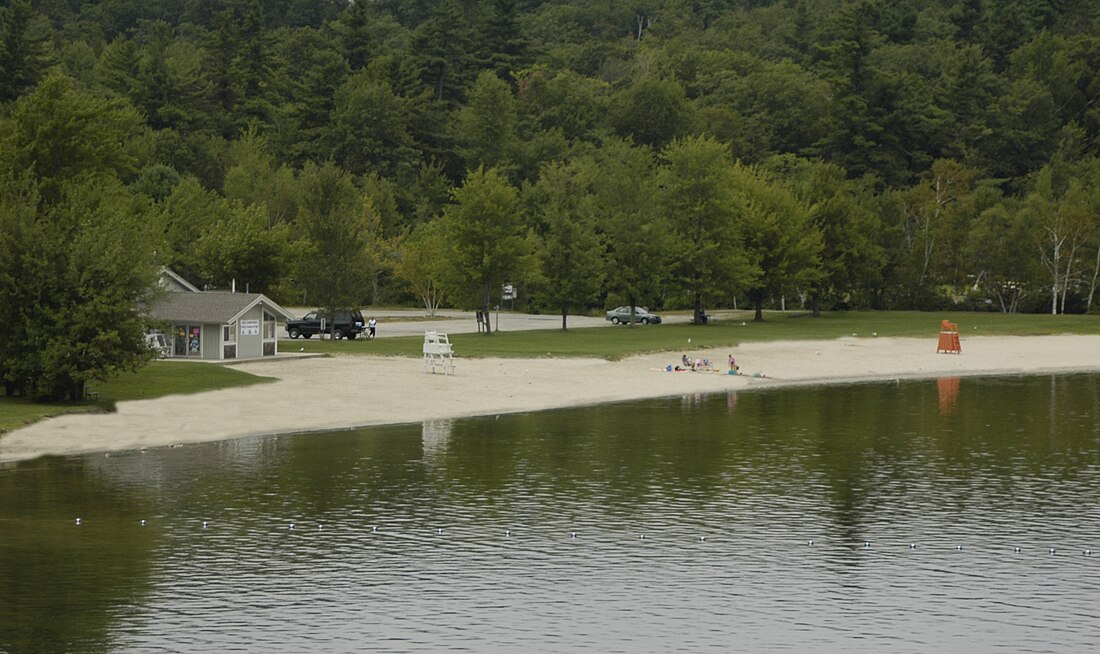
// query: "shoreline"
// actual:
[[350, 392]]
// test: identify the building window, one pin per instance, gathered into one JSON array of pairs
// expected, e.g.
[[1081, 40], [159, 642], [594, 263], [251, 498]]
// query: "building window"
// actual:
[[188, 341], [269, 342]]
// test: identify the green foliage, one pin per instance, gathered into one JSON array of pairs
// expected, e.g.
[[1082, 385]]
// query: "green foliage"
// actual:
[[504, 45], [570, 254], [859, 101], [421, 262], [781, 241], [851, 252], [485, 238], [485, 127], [565, 101], [443, 46], [74, 280], [652, 112], [255, 178], [331, 266], [640, 250], [307, 70], [697, 194], [59, 133], [239, 249], [24, 49], [370, 127]]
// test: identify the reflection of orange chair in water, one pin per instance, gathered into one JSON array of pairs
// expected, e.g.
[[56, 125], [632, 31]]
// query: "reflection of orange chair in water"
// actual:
[[949, 338], [949, 394]]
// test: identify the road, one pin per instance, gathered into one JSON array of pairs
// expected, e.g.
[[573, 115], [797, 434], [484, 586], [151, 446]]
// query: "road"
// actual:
[[414, 322]]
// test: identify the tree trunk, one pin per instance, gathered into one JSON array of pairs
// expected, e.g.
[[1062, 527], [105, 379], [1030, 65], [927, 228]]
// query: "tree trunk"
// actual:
[[815, 302], [485, 297], [1092, 283], [698, 308], [564, 314]]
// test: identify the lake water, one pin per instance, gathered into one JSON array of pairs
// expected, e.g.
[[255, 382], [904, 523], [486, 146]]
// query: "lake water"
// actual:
[[900, 517]]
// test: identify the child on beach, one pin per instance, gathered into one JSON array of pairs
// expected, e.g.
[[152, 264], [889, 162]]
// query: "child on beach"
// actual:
[[733, 366]]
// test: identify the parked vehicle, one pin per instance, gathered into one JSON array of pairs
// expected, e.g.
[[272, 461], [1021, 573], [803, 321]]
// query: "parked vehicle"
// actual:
[[347, 325], [621, 315]]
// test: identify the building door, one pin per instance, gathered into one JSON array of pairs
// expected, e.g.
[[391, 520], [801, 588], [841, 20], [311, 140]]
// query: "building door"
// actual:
[[229, 341]]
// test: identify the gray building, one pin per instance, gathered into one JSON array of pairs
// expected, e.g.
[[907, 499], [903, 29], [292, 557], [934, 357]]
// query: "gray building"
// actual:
[[217, 324]]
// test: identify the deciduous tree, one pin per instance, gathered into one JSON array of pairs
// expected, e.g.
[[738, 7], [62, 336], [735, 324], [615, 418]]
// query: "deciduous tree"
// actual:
[[332, 268], [697, 196], [487, 246], [570, 254]]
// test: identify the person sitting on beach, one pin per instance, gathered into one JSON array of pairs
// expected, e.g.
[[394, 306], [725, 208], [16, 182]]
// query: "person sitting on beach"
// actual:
[[686, 361]]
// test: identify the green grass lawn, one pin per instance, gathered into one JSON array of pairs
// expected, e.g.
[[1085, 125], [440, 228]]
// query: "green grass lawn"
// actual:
[[157, 379], [729, 330]]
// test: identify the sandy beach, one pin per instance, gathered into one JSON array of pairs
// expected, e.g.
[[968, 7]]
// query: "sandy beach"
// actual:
[[342, 392]]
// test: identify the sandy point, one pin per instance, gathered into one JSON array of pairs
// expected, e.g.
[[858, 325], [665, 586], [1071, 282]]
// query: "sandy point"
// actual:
[[343, 392]]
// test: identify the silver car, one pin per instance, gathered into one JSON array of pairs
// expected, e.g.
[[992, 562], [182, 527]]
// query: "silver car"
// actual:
[[621, 315]]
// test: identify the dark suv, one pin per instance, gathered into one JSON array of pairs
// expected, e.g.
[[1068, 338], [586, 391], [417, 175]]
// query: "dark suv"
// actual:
[[349, 324]]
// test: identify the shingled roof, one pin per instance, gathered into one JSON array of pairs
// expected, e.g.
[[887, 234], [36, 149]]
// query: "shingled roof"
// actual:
[[211, 307]]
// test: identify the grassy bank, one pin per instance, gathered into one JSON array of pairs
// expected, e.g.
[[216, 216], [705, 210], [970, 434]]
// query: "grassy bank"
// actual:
[[158, 379], [730, 329]]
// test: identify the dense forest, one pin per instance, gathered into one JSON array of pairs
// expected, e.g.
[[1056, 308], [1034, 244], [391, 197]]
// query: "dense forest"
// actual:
[[822, 154]]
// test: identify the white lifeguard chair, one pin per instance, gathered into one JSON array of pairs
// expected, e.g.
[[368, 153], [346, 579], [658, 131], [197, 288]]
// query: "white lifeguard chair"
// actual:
[[437, 353]]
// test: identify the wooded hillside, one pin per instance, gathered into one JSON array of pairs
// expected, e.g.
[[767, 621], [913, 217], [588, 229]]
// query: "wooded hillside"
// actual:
[[672, 153]]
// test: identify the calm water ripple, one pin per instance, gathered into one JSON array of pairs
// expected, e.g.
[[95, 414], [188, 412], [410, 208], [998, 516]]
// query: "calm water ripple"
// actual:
[[900, 517]]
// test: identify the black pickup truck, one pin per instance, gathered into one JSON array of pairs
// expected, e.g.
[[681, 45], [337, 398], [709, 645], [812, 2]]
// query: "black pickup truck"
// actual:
[[348, 324]]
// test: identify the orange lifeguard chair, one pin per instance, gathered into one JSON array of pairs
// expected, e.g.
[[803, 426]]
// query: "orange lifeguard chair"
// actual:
[[949, 338]]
